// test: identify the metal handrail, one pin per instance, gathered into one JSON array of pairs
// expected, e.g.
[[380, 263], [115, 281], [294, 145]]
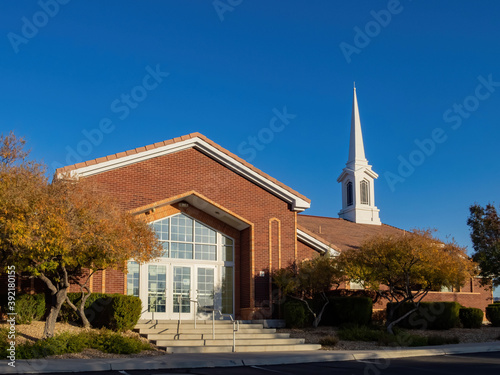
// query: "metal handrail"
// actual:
[[236, 326], [152, 312]]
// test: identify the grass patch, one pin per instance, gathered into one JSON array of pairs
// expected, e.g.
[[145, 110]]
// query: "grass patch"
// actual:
[[400, 338], [103, 340], [329, 341]]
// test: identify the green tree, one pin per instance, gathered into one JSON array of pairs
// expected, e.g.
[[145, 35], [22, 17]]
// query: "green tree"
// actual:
[[307, 280], [484, 226], [404, 268], [55, 231]]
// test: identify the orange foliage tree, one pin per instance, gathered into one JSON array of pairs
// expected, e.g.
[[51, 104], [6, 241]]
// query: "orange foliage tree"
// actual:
[[409, 265], [62, 232]]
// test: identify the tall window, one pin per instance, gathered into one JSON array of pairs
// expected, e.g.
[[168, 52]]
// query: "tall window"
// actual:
[[185, 238], [364, 192], [133, 279], [350, 198]]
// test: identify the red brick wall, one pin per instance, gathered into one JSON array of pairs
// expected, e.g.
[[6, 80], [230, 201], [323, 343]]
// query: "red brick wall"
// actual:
[[166, 176], [305, 252]]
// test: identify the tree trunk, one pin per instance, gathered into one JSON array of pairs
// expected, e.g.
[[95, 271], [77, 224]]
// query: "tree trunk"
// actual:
[[80, 310], [58, 294], [390, 323], [57, 300]]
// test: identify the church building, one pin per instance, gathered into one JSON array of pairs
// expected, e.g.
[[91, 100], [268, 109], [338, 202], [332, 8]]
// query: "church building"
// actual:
[[224, 225]]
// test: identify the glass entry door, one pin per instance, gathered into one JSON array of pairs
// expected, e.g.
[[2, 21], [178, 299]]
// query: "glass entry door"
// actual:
[[205, 292], [182, 294], [180, 290]]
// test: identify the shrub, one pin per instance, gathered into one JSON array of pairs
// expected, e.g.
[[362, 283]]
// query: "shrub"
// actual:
[[295, 314], [430, 315], [471, 317], [329, 341], [493, 314], [29, 307], [126, 312], [345, 310]]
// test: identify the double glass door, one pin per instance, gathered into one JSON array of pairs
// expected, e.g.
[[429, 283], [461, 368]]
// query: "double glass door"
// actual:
[[176, 290]]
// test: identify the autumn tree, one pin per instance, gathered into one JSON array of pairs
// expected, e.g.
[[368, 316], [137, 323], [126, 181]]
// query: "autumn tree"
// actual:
[[405, 267], [484, 226], [307, 280], [55, 231]]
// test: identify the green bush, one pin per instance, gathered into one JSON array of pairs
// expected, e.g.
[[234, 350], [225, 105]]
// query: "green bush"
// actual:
[[29, 307], [345, 310], [471, 317], [430, 315], [493, 314], [295, 314]]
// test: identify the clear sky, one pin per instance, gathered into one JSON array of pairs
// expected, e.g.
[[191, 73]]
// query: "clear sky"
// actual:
[[84, 79]]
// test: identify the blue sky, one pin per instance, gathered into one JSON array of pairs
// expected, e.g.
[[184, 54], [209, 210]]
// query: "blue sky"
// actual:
[[427, 75]]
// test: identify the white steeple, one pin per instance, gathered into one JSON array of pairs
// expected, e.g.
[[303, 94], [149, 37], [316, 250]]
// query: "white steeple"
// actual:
[[357, 178]]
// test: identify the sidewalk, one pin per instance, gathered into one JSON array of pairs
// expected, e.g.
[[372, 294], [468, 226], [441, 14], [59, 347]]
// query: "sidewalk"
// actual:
[[172, 361]]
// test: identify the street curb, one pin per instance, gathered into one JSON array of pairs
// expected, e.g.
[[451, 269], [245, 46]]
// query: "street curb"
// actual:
[[183, 361]]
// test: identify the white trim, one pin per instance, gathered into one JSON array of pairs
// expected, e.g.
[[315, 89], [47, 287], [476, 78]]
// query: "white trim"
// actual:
[[315, 243], [297, 203]]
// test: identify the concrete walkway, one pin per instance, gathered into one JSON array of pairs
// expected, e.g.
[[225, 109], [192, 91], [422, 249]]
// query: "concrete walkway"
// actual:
[[172, 361]]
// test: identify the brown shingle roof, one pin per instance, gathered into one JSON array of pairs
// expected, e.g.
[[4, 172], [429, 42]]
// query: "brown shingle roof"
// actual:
[[179, 139], [341, 233]]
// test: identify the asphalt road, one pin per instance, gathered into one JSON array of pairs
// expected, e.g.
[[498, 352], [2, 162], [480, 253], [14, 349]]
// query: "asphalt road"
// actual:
[[479, 363]]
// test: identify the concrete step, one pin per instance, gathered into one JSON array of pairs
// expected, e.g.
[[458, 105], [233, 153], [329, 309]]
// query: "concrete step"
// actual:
[[208, 336], [241, 349], [203, 330], [198, 325], [147, 323], [216, 342]]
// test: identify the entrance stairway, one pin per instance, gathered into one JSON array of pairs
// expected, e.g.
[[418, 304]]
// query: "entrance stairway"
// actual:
[[218, 336]]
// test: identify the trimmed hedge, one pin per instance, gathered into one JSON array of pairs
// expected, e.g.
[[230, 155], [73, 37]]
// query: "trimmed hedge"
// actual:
[[471, 317], [296, 314], [339, 311], [430, 315], [347, 310], [493, 314]]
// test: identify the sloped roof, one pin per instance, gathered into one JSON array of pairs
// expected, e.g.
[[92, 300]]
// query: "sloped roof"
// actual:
[[343, 234], [198, 141]]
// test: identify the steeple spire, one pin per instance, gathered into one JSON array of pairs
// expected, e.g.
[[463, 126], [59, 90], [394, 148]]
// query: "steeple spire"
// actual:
[[357, 178], [356, 147]]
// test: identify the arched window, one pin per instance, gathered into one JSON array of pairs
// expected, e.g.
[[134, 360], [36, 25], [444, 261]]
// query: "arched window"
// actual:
[[365, 192], [350, 196]]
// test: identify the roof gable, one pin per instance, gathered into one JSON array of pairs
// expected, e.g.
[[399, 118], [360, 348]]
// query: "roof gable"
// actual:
[[201, 143]]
